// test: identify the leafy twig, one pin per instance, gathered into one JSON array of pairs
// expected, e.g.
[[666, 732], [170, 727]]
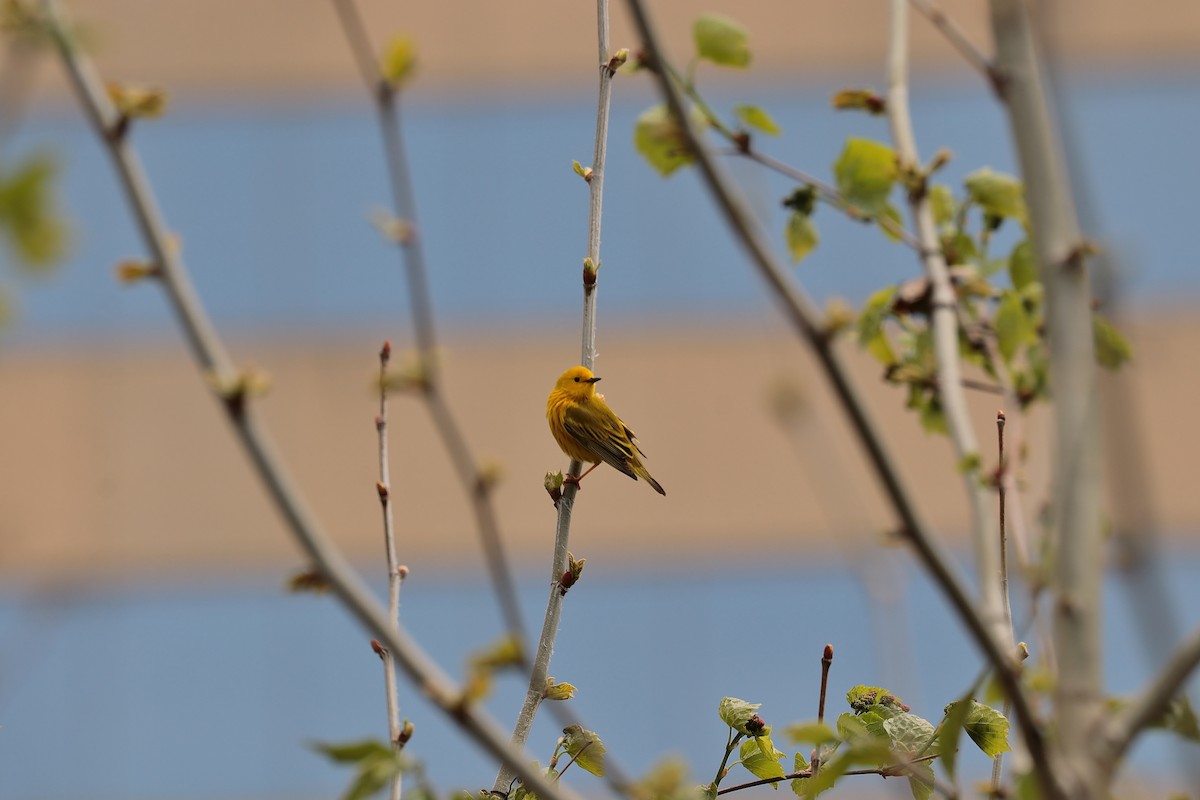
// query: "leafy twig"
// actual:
[[211, 357], [466, 467], [889, 771], [1060, 250], [802, 312], [956, 36]]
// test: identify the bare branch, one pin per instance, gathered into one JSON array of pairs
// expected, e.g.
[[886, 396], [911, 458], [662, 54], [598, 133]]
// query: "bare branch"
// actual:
[[214, 363], [466, 466], [1059, 248], [956, 36]]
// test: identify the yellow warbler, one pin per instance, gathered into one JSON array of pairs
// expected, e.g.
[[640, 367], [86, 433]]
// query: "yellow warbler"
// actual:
[[587, 430]]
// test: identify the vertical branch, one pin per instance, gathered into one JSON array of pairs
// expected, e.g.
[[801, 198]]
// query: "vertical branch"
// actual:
[[1060, 250], [803, 314], [208, 351], [477, 487], [1002, 492], [944, 322], [566, 503], [395, 575]]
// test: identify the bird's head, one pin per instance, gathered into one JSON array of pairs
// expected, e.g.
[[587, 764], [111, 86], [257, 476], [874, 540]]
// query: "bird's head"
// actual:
[[577, 382]]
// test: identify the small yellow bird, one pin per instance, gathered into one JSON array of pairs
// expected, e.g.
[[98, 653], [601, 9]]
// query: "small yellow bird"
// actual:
[[587, 430]]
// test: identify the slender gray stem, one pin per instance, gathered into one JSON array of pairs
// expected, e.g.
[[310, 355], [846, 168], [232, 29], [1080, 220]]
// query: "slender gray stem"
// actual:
[[802, 312], [209, 353], [566, 503], [944, 322], [955, 35], [1002, 492], [466, 467], [394, 576], [1060, 250]]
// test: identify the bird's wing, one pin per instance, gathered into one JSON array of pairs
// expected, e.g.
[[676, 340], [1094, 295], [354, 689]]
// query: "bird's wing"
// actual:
[[601, 434]]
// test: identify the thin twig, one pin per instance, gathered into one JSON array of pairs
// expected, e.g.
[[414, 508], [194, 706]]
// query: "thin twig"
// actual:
[[566, 503], [956, 36], [1002, 492], [466, 466], [1061, 250], [394, 576], [802, 312], [214, 363], [830, 195], [888, 771]]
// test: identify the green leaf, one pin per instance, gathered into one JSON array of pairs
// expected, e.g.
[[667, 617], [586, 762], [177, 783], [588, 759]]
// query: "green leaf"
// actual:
[[1112, 349], [802, 236], [585, 747], [372, 776], [1180, 718], [755, 117], [761, 758], [850, 728], [353, 752], [736, 713], [871, 335], [867, 100], [875, 717], [28, 215], [863, 697], [908, 731], [949, 732], [658, 136], [1022, 266], [1013, 325], [865, 172], [920, 780], [815, 733], [941, 201], [721, 41], [987, 728], [997, 194]]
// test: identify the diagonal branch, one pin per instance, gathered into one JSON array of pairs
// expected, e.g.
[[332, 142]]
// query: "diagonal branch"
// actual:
[[214, 362], [466, 467], [956, 36], [802, 312]]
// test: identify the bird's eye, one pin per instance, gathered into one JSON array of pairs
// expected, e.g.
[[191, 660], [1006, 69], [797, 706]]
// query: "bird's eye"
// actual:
[[577, 379]]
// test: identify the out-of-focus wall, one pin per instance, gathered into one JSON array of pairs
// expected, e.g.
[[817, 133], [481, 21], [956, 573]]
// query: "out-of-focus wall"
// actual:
[[247, 47]]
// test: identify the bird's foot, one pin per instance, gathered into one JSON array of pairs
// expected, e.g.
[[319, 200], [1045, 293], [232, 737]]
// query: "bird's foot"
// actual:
[[574, 481]]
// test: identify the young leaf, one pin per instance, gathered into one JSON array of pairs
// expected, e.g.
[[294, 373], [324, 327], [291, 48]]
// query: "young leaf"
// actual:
[[865, 172], [585, 747], [802, 236], [949, 732], [871, 335], [894, 221], [353, 752], [815, 733], [761, 762], [1022, 268], [860, 100], [1112, 349], [863, 697], [941, 200], [27, 213], [736, 713], [988, 729], [909, 732], [660, 140], [997, 194], [755, 117], [1013, 326], [920, 780], [372, 776], [721, 41]]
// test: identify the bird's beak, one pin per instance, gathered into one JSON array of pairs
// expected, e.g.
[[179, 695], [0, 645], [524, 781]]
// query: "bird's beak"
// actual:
[[592, 379]]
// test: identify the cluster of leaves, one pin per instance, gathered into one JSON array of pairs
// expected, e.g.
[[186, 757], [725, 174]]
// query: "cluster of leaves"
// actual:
[[1000, 298], [31, 225], [375, 764], [580, 747], [879, 735]]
